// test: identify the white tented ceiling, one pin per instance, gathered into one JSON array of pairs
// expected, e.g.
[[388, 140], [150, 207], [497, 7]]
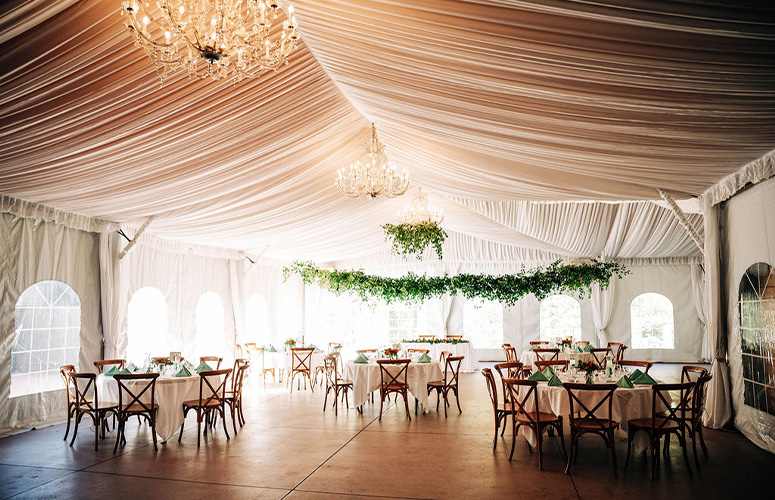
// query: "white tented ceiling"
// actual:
[[512, 115]]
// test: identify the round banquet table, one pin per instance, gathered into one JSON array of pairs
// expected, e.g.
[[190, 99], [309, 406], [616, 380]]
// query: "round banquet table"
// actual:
[[627, 404], [170, 394], [366, 379], [528, 357], [464, 349]]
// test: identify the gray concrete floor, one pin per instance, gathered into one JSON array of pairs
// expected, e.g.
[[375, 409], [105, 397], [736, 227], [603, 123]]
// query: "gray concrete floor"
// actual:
[[290, 448]]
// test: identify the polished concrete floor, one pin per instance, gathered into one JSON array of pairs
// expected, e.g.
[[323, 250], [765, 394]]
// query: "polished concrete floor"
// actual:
[[290, 449]]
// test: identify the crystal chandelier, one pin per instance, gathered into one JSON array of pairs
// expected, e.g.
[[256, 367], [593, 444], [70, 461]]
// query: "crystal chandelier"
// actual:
[[420, 212], [372, 174], [213, 38]]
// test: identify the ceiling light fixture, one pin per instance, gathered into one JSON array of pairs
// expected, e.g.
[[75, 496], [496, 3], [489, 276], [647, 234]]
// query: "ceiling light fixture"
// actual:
[[213, 38]]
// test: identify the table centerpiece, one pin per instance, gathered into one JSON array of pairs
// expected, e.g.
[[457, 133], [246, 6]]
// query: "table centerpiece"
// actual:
[[588, 367]]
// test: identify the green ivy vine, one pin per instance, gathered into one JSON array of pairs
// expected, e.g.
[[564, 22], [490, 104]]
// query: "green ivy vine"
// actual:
[[411, 239], [506, 289]]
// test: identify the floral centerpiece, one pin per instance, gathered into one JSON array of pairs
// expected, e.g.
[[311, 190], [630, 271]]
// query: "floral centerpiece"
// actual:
[[588, 367], [289, 344], [434, 341], [391, 353], [161, 361]]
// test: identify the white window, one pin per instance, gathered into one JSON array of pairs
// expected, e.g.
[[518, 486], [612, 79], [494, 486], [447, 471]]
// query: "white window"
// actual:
[[48, 328], [405, 321], [652, 322], [147, 325], [560, 317], [483, 323], [257, 320], [209, 325]]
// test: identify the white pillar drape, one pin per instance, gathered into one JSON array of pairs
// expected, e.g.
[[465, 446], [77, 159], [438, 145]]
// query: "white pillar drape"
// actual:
[[113, 283], [238, 297], [602, 307], [698, 293], [718, 409]]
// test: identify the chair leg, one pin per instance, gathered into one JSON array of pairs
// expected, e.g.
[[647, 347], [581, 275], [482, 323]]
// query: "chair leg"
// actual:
[[702, 439], [198, 428], [222, 411], [381, 401], [682, 440], [513, 437], [406, 404], [96, 420], [571, 450], [457, 400], [325, 399], [694, 447], [185, 412], [69, 415], [612, 451], [540, 446], [75, 426], [118, 435], [153, 429], [562, 439], [629, 447], [233, 409]]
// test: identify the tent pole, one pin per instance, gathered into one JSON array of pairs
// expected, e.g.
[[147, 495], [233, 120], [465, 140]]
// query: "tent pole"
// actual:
[[681, 216]]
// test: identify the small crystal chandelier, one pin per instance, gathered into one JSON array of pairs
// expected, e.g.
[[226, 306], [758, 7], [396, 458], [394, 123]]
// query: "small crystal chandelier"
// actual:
[[212, 38], [420, 212], [372, 174]]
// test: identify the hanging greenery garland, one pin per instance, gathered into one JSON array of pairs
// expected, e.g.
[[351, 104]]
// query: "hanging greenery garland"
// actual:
[[411, 239], [506, 289]]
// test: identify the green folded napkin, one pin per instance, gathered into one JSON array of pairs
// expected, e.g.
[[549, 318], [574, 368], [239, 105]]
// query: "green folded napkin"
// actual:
[[548, 372], [362, 358], [203, 367], [183, 372], [579, 349], [635, 374], [538, 376], [555, 381], [587, 347], [644, 379], [271, 349], [624, 382], [424, 358], [113, 371], [125, 371]]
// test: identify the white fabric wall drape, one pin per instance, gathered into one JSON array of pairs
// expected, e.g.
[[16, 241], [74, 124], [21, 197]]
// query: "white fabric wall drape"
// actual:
[[698, 292], [602, 307], [32, 251], [113, 277]]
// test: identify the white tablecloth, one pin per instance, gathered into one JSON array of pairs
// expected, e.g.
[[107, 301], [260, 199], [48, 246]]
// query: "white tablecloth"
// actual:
[[462, 349], [628, 404], [170, 394], [366, 379], [528, 358]]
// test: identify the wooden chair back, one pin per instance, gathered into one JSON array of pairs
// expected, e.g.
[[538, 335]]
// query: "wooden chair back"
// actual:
[[645, 365], [65, 372], [581, 414], [534, 343], [452, 370], [101, 364], [600, 356], [239, 350], [520, 392], [238, 373], [387, 379], [418, 351], [454, 337], [617, 351], [131, 394], [543, 354], [332, 370], [216, 387], [663, 411], [426, 337], [690, 373], [511, 354], [84, 390], [698, 399], [301, 359], [334, 348], [554, 364], [510, 370], [492, 388], [212, 359], [443, 355]]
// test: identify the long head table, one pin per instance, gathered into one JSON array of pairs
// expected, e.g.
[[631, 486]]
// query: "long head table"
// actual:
[[366, 379], [464, 349]]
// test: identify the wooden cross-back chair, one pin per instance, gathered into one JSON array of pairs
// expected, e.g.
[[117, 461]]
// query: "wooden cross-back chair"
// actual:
[[233, 397], [418, 351], [443, 355], [454, 337], [663, 423], [546, 354], [511, 354], [521, 393], [600, 356], [534, 343], [426, 337], [214, 401], [448, 383], [390, 383], [554, 364], [501, 411], [84, 384], [258, 352], [102, 363], [301, 364], [584, 420], [631, 363], [335, 383], [212, 359], [700, 376], [131, 389], [617, 351], [64, 372]]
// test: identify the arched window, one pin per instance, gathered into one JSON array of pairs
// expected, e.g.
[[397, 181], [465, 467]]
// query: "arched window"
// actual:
[[560, 317], [209, 325], [257, 320], [483, 323], [757, 324], [405, 321], [48, 329], [652, 322], [147, 325]]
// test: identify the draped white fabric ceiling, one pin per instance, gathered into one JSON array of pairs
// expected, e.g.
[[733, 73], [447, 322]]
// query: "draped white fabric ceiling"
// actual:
[[485, 103]]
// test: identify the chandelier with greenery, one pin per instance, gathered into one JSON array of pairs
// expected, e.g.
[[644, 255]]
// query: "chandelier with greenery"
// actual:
[[418, 228], [213, 38]]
